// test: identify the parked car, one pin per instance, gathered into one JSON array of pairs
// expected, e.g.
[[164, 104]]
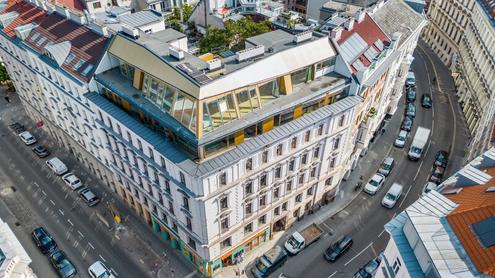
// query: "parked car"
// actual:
[[429, 186], [72, 181], [386, 166], [393, 194], [401, 139], [40, 151], [62, 265], [369, 269], [269, 262], [57, 166], [100, 270], [407, 123], [374, 184], [88, 196], [426, 101], [338, 248], [411, 95], [411, 110], [441, 159], [27, 138], [437, 174], [410, 79], [17, 128], [44, 240]]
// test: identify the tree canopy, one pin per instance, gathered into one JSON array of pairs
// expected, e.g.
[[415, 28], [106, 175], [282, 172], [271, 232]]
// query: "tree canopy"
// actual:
[[234, 35], [4, 76]]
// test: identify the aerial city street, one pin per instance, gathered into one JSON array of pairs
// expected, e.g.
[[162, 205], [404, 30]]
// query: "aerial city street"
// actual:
[[247, 138]]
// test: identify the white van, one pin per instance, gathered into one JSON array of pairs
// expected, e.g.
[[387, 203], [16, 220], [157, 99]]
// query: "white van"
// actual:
[[98, 269], [57, 166], [392, 195]]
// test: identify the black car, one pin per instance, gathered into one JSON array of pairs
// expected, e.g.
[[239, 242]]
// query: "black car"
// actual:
[[41, 151], [407, 123], [426, 101], [411, 110], [64, 267], [411, 95], [441, 158], [338, 248], [44, 240]]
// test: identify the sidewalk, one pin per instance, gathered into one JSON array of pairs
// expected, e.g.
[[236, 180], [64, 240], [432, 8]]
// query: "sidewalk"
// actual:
[[134, 236], [379, 149]]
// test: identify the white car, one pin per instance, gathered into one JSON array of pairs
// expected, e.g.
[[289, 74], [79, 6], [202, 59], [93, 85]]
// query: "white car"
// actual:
[[57, 166], [72, 181], [374, 184], [400, 142], [99, 270], [429, 186], [27, 138]]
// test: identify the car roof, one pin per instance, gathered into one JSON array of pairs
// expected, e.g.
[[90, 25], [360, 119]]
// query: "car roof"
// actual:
[[388, 160], [380, 176], [98, 267], [395, 188], [88, 194], [402, 132]]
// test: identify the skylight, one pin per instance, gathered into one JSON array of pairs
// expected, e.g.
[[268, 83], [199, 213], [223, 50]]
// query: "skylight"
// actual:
[[87, 69], [69, 58], [485, 231], [79, 64], [35, 36], [42, 40]]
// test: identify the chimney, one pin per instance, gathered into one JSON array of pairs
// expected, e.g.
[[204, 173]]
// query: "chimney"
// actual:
[[336, 33], [349, 24], [359, 16]]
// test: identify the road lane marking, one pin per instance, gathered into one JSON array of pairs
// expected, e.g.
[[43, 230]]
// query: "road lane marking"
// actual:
[[68, 220], [358, 254], [35, 184], [91, 245], [51, 201], [405, 196], [103, 259], [84, 253], [417, 172], [332, 274], [79, 232], [76, 243], [116, 274], [381, 233], [43, 191], [61, 211]]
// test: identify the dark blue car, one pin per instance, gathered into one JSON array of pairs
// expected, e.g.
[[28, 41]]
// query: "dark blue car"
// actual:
[[44, 240], [64, 267]]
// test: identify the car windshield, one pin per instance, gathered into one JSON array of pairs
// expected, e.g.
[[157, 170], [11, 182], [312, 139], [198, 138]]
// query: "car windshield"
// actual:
[[375, 181], [64, 264], [371, 266], [45, 240], [262, 265], [386, 166], [293, 242], [390, 197]]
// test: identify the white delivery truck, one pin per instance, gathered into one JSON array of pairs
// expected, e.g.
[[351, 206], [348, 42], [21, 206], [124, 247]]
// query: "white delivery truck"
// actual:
[[418, 143], [298, 240]]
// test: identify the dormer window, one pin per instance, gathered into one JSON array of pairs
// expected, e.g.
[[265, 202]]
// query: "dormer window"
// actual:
[[41, 41], [79, 64], [35, 36], [69, 58]]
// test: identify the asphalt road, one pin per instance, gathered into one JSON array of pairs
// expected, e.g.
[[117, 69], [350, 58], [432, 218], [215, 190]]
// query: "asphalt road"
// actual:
[[364, 218]]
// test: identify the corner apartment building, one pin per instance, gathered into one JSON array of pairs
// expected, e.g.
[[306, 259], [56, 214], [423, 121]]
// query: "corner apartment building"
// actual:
[[474, 72], [449, 233], [448, 20], [14, 260]]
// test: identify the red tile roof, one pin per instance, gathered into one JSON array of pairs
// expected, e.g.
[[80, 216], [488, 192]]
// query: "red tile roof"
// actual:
[[27, 14], [475, 205], [86, 45], [74, 5]]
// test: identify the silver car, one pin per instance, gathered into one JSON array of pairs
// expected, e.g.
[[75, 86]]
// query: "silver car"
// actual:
[[88, 196], [400, 142], [387, 166]]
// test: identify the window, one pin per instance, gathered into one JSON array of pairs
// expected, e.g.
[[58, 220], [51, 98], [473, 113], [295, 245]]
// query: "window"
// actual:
[[284, 206], [313, 172], [279, 149], [182, 178], [35, 36], [224, 203], [189, 223], [397, 265], [268, 91], [248, 188], [293, 143], [167, 186], [301, 178], [262, 220], [191, 243], [185, 202], [288, 187], [41, 41], [87, 70], [223, 178], [248, 228], [263, 180], [291, 165], [307, 136], [262, 200], [150, 151], [224, 224], [328, 181], [341, 120], [278, 172], [316, 152], [336, 143], [78, 64], [264, 157], [333, 160], [304, 158], [96, 5], [299, 198], [276, 193], [248, 209], [309, 192], [320, 130], [299, 76], [225, 243], [171, 207], [162, 162], [249, 164], [276, 211], [69, 58]]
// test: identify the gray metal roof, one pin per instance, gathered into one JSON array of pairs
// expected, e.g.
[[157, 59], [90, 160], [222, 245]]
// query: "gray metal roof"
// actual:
[[140, 18], [179, 157], [397, 16], [270, 39], [168, 35], [59, 51]]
